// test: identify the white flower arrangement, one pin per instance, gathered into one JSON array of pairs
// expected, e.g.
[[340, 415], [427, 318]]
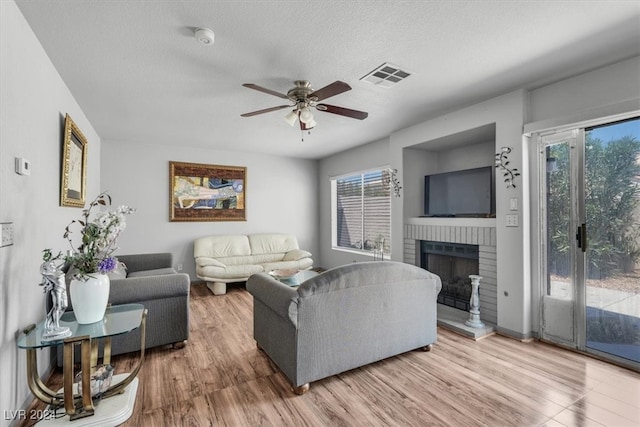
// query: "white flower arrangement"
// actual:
[[99, 238]]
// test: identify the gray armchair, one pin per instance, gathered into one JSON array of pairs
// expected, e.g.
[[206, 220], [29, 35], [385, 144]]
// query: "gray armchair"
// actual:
[[152, 282]]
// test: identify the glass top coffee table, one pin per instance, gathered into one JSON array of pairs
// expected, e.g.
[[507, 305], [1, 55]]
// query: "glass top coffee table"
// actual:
[[118, 319], [298, 278]]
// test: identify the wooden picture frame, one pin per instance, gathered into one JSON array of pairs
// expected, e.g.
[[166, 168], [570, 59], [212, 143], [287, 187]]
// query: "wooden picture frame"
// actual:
[[201, 192], [74, 165]]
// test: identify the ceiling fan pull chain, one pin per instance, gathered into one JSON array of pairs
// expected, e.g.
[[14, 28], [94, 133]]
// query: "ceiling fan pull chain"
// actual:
[[302, 134]]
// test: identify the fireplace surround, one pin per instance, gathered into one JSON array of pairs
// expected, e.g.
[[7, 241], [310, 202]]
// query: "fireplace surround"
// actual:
[[470, 231]]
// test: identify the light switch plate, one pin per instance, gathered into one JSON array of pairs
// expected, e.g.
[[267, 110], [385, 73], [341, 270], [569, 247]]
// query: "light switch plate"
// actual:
[[513, 204], [7, 233], [512, 220]]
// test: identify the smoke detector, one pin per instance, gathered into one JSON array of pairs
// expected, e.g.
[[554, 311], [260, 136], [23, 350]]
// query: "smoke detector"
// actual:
[[205, 36]]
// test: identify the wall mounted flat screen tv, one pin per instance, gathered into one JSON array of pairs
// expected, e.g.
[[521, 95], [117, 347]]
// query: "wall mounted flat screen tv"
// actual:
[[465, 193]]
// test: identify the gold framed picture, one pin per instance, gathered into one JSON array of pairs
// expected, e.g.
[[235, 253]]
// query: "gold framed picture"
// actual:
[[199, 192], [74, 165]]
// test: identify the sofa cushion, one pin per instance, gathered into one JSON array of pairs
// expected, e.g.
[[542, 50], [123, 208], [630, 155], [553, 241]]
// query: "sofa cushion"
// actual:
[[272, 243], [230, 272], [204, 261], [296, 254], [154, 272], [221, 246], [251, 259]]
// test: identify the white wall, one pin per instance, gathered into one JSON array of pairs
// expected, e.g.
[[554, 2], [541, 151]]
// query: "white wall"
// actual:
[[467, 157], [507, 112], [33, 104], [372, 155], [606, 91], [420, 163], [281, 198]]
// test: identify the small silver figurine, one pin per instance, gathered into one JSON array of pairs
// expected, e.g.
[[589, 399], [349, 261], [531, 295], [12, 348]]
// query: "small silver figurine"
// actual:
[[53, 282]]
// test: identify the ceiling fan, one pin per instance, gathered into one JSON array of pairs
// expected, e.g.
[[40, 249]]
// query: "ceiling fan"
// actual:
[[304, 98]]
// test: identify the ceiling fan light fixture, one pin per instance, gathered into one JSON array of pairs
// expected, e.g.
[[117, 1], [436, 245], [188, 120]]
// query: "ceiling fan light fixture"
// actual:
[[291, 117], [306, 116], [304, 98]]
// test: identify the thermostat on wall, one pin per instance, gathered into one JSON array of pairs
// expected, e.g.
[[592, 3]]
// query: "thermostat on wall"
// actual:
[[23, 166]]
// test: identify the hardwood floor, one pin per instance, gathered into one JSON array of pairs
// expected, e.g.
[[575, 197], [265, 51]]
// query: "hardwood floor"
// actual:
[[221, 378]]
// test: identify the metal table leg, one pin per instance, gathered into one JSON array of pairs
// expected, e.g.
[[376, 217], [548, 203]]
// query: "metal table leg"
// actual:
[[85, 408]]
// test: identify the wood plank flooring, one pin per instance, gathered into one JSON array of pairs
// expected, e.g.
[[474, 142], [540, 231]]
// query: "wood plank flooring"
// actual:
[[221, 379]]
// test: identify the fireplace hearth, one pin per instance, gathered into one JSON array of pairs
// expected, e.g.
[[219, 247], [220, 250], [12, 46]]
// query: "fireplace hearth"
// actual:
[[454, 263]]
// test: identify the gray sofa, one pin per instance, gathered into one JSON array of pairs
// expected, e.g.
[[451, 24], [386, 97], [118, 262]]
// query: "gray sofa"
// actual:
[[151, 281], [344, 318]]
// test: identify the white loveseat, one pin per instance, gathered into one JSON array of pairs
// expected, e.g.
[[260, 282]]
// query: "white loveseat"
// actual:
[[226, 259]]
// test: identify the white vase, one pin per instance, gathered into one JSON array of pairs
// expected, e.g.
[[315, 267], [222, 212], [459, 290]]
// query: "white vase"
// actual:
[[89, 297]]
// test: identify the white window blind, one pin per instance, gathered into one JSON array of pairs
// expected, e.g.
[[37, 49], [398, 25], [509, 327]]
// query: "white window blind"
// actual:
[[362, 220]]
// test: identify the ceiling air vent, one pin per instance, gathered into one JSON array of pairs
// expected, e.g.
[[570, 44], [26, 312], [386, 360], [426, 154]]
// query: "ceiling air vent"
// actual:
[[386, 75]]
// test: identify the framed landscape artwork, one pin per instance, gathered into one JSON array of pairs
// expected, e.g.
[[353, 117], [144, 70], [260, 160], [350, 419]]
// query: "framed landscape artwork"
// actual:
[[74, 165], [200, 192]]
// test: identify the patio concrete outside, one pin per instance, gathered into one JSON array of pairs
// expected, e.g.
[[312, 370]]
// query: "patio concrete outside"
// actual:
[[606, 299]]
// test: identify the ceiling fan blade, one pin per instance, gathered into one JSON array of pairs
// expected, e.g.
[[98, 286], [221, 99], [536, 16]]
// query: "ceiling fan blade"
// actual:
[[342, 111], [266, 110], [330, 90], [265, 90]]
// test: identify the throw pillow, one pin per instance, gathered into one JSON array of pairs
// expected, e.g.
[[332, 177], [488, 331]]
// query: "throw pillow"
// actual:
[[296, 254]]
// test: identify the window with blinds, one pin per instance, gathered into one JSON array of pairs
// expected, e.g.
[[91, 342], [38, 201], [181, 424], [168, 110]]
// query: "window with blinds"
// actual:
[[362, 216]]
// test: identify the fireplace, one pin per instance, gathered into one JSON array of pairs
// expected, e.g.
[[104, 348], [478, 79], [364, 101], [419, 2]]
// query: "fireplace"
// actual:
[[468, 231], [453, 262]]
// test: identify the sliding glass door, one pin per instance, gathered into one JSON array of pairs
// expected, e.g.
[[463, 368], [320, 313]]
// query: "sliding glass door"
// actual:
[[591, 211], [612, 208]]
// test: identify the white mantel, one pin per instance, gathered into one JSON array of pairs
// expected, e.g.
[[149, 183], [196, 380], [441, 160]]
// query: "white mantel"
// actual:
[[456, 222]]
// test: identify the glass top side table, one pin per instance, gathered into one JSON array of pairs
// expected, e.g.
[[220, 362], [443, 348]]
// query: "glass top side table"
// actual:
[[118, 319]]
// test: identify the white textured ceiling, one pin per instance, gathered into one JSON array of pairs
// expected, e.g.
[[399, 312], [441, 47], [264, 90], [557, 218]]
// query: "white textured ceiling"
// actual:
[[140, 76]]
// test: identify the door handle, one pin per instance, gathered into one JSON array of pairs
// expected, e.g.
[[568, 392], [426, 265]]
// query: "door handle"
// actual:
[[581, 237]]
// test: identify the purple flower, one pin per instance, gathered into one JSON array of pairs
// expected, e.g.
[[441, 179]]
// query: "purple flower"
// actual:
[[107, 265]]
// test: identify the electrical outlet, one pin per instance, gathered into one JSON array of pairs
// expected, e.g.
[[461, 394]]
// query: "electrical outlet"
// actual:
[[179, 267], [7, 233]]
